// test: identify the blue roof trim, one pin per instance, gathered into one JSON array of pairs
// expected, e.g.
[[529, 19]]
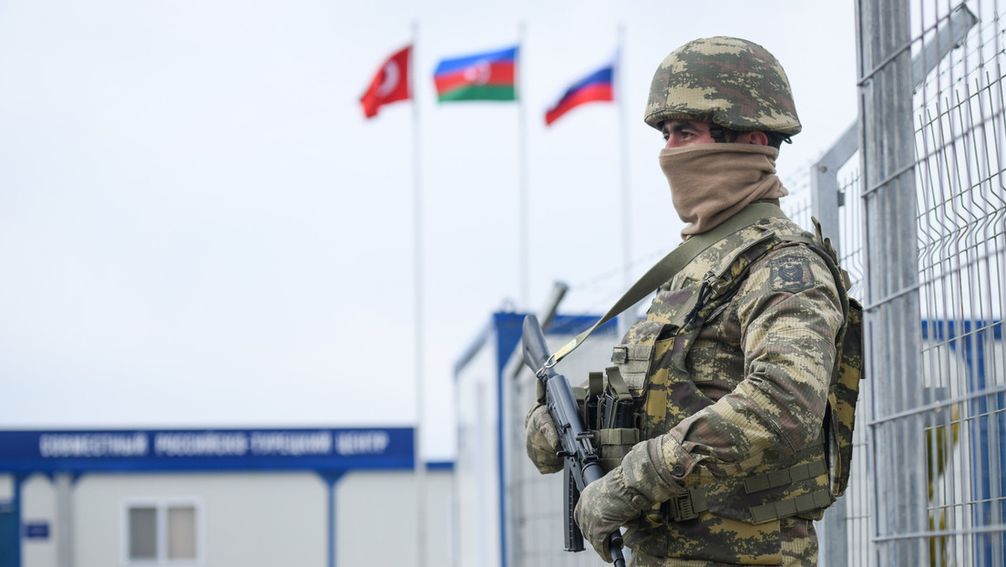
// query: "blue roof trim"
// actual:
[[217, 449], [440, 466], [509, 328], [507, 322], [574, 324]]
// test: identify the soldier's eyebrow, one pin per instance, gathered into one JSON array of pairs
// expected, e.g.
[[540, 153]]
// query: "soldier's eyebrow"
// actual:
[[678, 127]]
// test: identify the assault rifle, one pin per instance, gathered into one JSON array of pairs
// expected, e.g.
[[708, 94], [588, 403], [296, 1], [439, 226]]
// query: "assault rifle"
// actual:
[[582, 464]]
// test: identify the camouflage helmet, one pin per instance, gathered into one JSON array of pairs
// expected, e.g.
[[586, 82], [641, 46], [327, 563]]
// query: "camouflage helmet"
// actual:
[[730, 82]]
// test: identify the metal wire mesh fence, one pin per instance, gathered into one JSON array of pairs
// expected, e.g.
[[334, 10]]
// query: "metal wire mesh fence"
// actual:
[[933, 219], [844, 532], [851, 548]]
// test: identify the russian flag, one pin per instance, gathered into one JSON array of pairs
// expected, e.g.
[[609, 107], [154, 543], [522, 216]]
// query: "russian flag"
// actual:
[[596, 87], [482, 76]]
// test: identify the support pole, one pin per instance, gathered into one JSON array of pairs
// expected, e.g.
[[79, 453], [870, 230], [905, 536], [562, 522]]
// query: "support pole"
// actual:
[[893, 321], [418, 297], [625, 319], [524, 244], [64, 520], [17, 503], [331, 478], [825, 200]]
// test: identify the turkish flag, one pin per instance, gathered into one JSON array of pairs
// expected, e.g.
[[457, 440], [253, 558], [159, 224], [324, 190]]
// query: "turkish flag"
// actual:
[[390, 83]]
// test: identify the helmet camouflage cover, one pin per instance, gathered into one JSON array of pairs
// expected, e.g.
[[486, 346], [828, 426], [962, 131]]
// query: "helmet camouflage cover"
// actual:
[[728, 81]]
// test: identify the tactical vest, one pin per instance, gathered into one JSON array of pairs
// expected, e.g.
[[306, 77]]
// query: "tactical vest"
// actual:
[[655, 357]]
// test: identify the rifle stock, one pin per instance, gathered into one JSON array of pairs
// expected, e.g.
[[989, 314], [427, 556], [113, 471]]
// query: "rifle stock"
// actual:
[[581, 460]]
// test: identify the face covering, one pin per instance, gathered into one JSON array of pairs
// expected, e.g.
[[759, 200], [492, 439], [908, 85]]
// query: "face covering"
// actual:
[[712, 182]]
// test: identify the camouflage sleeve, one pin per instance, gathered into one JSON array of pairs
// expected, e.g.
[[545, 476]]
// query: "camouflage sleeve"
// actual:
[[789, 315]]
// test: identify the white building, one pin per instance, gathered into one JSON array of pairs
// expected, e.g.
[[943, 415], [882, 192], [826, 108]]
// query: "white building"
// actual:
[[508, 514], [217, 497]]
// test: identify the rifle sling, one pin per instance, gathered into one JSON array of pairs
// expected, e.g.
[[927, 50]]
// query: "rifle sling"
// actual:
[[670, 265]]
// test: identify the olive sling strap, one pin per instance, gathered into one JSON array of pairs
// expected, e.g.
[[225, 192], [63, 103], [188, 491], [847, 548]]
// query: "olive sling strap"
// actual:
[[670, 265]]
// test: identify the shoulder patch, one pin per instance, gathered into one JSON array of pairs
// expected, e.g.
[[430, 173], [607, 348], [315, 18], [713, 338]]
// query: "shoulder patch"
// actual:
[[791, 273]]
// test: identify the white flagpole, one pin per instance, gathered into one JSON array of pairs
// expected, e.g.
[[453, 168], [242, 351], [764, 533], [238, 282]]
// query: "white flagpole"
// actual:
[[417, 284], [627, 317], [522, 182]]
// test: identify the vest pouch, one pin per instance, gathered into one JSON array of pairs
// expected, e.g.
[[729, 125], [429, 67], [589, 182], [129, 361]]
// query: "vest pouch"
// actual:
[[671, 393], [614, 444], [668, 313], [840, 416], [632, 362], [617, 417], [801, 489]]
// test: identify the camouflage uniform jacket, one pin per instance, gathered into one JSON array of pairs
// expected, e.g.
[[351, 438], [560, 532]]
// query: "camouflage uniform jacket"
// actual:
[[748, 398]]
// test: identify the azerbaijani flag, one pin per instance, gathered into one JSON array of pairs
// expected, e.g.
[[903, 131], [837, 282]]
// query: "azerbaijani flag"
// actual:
[[483, 76], [596, 87]]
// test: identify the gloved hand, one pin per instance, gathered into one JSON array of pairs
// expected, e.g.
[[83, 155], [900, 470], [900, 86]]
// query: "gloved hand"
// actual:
[[542, 440], [643, 480]]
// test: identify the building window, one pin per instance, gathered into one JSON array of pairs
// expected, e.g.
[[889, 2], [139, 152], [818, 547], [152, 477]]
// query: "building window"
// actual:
[[162, 533], [182, 532], [142, 533]]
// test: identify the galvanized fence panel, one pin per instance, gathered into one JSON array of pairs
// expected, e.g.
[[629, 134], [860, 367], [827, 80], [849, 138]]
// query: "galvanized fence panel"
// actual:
[[937, 396]]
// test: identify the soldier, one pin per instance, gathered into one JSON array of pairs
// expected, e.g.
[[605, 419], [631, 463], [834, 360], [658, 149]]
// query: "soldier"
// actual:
[[731, 366]]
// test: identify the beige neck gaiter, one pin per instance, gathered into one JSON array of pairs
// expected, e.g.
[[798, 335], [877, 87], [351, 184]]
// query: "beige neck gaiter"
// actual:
[[712, 182]]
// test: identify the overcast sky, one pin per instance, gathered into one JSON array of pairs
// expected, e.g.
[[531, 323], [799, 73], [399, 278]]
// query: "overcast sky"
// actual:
[[198, 227]]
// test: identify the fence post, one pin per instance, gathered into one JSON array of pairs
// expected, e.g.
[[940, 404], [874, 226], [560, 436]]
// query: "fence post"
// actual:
[[893, 321], [825, 199]]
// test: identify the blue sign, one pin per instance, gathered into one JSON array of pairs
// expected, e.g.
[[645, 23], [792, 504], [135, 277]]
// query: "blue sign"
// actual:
[[36, 530], [206, 449]]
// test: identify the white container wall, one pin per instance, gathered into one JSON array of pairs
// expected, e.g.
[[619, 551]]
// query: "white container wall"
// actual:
[[508, 514], [217, 498]]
